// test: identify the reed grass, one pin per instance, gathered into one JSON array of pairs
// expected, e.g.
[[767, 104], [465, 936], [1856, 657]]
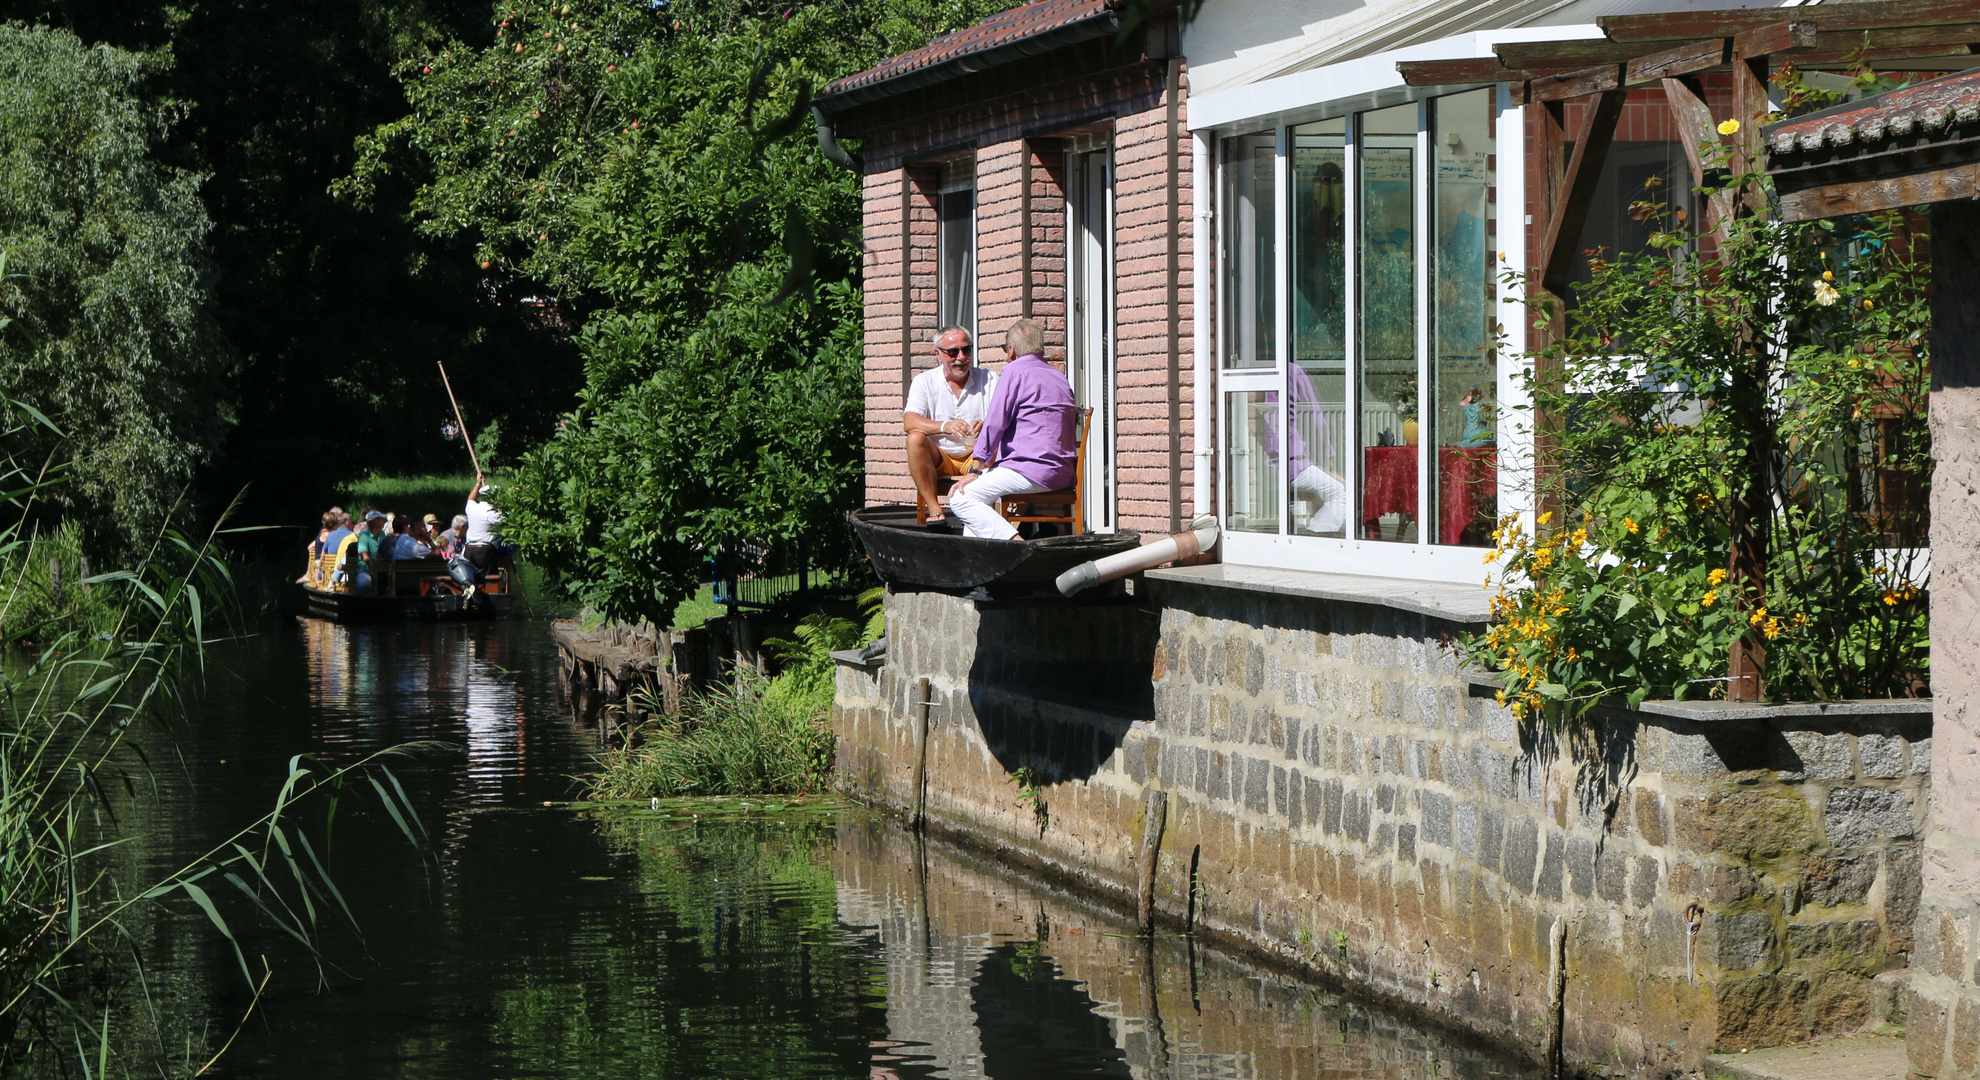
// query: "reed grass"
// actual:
[[72, 712]]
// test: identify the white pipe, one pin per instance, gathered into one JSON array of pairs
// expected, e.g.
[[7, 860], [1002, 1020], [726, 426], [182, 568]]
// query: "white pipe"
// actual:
[[1201, 537], [1203, 370]]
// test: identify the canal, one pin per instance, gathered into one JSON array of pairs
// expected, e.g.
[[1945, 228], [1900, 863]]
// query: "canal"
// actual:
[[536, 936]]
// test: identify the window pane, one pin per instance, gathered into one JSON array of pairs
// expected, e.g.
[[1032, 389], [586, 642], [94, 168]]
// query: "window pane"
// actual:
[[957, 299], [1252, 449], [1249, 285], [1464, 365], [1386, 367], [1316, 381]]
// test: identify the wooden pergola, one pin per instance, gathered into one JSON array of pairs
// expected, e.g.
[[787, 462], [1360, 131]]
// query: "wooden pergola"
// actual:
[[1671, 51]]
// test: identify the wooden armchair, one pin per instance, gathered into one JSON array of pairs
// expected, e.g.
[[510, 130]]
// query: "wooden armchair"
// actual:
[[1071, 501]]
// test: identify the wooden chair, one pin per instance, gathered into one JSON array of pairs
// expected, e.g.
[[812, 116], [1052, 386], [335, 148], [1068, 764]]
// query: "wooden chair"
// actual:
[[1021, 508]]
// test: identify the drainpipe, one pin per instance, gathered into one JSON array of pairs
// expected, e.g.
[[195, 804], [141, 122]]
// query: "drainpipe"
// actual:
[[1203, 372], [828, 144], [1201, 537]]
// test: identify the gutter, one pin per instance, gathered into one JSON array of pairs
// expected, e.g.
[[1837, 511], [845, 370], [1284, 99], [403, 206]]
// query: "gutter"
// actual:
[[907, 82], [828, 144]]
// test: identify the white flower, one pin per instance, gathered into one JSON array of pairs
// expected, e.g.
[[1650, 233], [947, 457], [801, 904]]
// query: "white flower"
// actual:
[[1826, 294]]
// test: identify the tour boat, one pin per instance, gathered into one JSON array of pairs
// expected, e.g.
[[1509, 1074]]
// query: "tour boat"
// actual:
[[942, 558], [417, 590]]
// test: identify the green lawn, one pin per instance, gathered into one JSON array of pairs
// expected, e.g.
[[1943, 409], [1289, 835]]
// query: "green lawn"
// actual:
[[414, 496]]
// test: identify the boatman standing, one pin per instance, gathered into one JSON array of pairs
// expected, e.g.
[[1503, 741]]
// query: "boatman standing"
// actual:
[[945, 409], [1029, 441], [482, 517]]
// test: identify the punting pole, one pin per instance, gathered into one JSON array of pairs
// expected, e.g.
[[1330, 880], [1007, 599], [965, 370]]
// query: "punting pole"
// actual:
[[465, 437]]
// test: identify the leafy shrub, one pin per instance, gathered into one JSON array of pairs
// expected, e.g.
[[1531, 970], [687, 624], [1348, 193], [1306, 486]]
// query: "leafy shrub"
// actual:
[[1776, 385], [756, 737]]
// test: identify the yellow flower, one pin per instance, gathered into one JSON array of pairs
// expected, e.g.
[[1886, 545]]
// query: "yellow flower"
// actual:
[[1545, 518], [1867, 305], [1717, 577], [1711, 597], [1772, 629], [1580, 537], [1704, 500], [1758, 615], [1828, 275], [1855, 363], [1890, 598], [1728, 127], [1629, 526], [1800, 619], [1573, 656]]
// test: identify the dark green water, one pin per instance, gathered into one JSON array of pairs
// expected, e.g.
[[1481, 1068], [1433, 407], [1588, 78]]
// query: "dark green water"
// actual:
[[539, 939]]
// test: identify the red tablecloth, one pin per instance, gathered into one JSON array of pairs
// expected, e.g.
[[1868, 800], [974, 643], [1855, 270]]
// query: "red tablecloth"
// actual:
[[1465, 476]]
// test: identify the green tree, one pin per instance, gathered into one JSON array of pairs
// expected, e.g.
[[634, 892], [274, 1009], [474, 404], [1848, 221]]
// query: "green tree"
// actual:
[[654, 169], [107, 283]]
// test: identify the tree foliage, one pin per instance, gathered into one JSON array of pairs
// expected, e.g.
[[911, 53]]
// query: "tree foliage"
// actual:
[[106, 283], [652, 168]]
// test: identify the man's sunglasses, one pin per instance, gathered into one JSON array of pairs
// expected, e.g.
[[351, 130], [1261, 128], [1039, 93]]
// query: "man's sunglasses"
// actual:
[[960, 350]]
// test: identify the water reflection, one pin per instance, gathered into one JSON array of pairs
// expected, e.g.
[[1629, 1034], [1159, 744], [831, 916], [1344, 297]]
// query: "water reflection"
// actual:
[[987, 976], [739, 942]]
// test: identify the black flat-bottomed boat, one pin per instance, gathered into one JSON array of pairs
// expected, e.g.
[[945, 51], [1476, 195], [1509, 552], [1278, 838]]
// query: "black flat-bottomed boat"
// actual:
[[903, 553], [413, 590]]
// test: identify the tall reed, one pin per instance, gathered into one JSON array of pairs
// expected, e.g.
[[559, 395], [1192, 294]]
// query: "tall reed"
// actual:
[[71, 713]]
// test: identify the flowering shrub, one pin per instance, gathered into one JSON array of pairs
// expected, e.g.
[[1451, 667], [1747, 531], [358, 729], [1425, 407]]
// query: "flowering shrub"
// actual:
[[1783, 368]]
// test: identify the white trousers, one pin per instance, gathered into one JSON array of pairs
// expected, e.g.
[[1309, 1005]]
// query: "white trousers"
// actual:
[[976, 504], [1317, 484]]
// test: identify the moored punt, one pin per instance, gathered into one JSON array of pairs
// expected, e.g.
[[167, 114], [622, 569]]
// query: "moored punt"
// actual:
[[418, 590], [903, 553]]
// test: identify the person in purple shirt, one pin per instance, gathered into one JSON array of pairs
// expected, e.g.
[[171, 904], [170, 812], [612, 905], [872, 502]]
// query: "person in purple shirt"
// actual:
[[1029, 436]]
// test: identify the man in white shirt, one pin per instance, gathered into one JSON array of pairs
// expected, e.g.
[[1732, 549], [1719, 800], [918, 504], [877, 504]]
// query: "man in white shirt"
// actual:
[[945, 409], [482, 517]]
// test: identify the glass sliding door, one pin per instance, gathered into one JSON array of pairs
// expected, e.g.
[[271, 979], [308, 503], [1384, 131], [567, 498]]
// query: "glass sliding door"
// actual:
[[1249, 256], [1316, 380], [1386, 374], [1462, 415]]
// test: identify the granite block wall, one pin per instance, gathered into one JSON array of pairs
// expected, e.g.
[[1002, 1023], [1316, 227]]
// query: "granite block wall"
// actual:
[[1343, 798]]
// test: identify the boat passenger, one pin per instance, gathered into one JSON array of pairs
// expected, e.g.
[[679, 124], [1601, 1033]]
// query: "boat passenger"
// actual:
[[314, 574], [368, 546], [1029, 442], [436, 534], [482, 518], [409, 540], [945, 409]]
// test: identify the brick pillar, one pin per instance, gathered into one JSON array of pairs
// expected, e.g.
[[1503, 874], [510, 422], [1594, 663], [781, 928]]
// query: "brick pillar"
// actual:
[[1943, 1005]]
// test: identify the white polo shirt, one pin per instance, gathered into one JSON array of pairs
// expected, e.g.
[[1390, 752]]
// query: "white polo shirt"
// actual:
[[930, 395]]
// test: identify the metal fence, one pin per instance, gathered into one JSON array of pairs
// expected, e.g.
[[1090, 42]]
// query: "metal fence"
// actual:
[[787, 575]]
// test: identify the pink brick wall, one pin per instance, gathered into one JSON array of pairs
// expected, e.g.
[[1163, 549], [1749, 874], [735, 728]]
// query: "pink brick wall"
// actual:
[[1014, 121]]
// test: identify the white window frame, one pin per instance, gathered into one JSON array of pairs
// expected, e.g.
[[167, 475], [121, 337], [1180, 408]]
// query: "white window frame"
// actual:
[[1348, 89]]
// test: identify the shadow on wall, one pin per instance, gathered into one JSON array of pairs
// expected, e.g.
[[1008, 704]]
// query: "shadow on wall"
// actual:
[[1057, 686]]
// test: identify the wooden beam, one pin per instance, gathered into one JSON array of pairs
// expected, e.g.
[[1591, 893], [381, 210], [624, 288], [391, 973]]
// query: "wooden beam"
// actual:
[[1576, 84], [1775, 38], [1585, 52], [1678, 60], [1882, 15], [1699, 134], [1474, 69], [1955, 182], [1591, 146]]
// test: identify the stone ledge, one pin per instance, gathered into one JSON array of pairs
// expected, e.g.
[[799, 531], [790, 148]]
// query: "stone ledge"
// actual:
[[1485, 684], [1465, 604], [1860, 1057]]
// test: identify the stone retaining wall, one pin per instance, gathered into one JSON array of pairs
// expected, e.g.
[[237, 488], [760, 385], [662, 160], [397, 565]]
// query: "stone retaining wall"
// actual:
[[1350, 803]]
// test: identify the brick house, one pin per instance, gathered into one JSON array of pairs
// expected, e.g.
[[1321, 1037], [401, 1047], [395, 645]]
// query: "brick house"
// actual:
[[1034, 165], [1352, 182]]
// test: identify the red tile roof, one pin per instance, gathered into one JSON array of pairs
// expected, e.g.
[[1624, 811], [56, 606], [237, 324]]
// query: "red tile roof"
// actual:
[[1928, 112], [996, 33]]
